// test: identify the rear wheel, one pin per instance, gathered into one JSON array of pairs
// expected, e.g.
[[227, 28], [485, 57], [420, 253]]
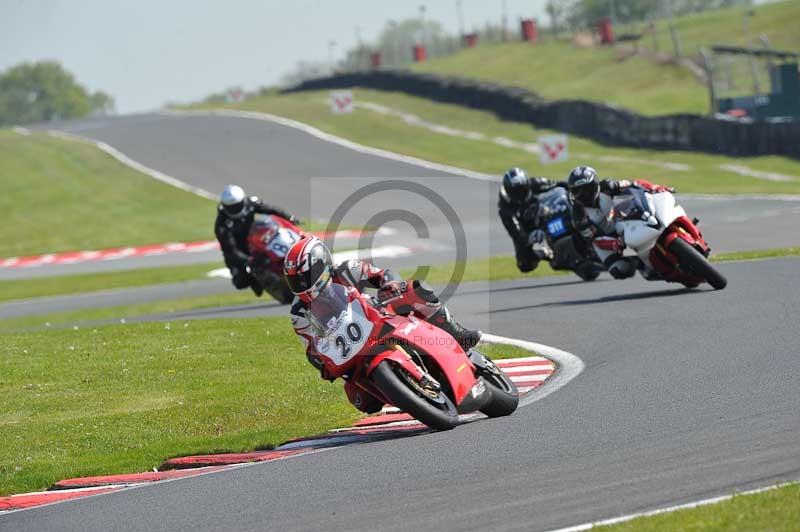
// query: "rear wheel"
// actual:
[[505, 397], [695, 263], [425, 404]]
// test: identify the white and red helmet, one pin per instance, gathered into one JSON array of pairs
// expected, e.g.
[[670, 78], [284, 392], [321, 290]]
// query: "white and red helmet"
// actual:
[[307, 268]]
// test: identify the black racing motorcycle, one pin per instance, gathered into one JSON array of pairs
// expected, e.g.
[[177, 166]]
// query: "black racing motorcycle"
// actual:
[[558, 242]]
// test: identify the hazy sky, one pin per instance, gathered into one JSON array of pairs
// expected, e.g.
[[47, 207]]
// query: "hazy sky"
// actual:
[[145, 52]]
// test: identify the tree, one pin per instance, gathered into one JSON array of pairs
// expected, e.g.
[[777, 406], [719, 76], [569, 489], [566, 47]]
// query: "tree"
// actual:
[[44, 91], [101, 103]]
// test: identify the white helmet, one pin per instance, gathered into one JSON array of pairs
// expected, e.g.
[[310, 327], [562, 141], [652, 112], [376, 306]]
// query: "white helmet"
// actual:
[[233, 201]]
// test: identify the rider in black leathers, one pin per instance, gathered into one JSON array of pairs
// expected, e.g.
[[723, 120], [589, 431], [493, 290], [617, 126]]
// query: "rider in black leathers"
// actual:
[[518, 207], [235, 214]]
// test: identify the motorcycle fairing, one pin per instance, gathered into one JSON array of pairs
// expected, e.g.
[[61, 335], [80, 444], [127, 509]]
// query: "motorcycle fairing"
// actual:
[[642, 219], [425, 338]]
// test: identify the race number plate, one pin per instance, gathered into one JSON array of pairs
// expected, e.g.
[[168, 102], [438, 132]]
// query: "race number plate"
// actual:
[[556, 227], [282, 242], [347, 337]]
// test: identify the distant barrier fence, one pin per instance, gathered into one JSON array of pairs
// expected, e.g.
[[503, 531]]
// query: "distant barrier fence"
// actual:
[[600, 122]]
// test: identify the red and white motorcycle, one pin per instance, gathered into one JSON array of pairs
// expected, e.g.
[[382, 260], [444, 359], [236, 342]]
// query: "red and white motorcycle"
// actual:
[[404, 361], [668, 243], [270, 239]]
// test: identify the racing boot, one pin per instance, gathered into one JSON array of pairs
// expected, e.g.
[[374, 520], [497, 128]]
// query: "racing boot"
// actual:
[[467, 338], [256, 287]]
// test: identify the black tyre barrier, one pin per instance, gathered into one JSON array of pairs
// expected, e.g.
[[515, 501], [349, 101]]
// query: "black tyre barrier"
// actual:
[[600, 122]]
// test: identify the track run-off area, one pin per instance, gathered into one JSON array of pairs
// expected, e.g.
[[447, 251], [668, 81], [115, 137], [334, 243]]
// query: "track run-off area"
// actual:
[[685, 395]]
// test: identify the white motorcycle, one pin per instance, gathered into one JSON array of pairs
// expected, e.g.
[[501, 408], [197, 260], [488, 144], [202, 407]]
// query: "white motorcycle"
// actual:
[[668, 243]]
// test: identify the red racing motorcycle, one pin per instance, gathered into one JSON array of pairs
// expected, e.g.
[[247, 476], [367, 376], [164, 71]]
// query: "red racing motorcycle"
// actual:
[[404, 361], [270, 239]]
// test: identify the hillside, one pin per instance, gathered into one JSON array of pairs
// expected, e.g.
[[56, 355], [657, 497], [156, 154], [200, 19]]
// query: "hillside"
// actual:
[[61, 195], [641, 83]]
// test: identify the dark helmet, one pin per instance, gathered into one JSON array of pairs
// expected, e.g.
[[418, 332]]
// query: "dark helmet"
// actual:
[[516, 188], [584, 185], [233, 201]]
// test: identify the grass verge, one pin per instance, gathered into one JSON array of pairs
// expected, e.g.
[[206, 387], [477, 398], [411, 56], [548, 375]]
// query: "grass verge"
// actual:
[[687, 171], [775, 510], [60, 195], [123, 398], [125, 313], [757, 254]]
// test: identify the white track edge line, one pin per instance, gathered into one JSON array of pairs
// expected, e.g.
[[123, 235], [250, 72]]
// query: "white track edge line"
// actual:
[[135, 165], [669, 509], [568, 366], [318, 133]]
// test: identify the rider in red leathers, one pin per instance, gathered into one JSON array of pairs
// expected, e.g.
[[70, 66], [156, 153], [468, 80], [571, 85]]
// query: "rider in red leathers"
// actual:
[[592, 205], [309, 268]]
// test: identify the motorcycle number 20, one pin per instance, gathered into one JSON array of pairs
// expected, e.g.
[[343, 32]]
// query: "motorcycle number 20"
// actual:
[[354, 334], [347, 339]]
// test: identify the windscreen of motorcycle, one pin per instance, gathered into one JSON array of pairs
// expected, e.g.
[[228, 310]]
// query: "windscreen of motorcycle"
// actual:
[[268, 237], [554, 201], [554, 212], [634, 219], [634, 205], [341, 326]]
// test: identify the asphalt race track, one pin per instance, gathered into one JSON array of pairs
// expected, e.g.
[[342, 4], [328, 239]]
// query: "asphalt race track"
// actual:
[[311, 177], [686, 394]]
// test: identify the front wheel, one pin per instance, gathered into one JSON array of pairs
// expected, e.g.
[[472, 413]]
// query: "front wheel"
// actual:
[[695, 263], [425, 404]]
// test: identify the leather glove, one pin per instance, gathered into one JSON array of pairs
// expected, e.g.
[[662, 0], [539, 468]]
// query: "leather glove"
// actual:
[[537, 236], [390, 289]]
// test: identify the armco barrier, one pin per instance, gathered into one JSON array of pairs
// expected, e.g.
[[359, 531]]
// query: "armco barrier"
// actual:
[[601, 122]]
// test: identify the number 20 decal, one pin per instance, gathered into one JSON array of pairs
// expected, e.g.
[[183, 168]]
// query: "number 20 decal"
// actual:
[[354, 333]]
